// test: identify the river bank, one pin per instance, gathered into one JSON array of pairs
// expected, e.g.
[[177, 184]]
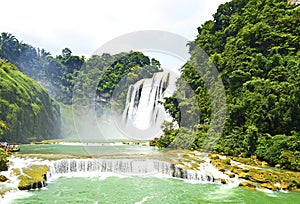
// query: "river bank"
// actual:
[[257, 174], [33, 170]]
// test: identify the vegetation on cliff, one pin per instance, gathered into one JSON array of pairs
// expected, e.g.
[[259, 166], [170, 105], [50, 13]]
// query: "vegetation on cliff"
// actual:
[[255, 47], [26, 110], [3, 160], [58, 74], [103, 75]]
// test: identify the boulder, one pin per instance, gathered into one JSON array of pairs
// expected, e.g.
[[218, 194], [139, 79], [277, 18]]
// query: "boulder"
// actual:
[[214, 157], [231, 175], [33, 177], [268, 186], [3, 178], [244, 175], [284, 186], [223, 181], [264, 164], [247, 184]]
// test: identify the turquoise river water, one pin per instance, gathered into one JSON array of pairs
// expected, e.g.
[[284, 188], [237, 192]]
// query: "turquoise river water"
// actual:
[[115, 188]]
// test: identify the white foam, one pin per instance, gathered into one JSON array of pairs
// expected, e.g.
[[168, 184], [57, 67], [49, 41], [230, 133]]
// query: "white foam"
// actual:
[[268, 192], [144, 200], [12, 195]]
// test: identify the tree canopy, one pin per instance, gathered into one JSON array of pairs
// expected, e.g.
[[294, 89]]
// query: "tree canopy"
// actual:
[[255, 47], [27, 113]]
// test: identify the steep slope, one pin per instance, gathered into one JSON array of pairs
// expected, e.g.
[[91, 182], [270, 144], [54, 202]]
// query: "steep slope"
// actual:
[[255, 47], [26, 110]]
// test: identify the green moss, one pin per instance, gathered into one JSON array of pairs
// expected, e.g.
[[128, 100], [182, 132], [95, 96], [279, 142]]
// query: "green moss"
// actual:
[[268, 178], [32, 176]]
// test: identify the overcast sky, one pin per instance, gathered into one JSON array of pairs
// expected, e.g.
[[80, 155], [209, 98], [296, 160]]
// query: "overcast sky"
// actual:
[[83, 26]]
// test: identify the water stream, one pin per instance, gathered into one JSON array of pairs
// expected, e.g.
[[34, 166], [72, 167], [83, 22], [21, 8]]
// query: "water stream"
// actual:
[[133, 180]]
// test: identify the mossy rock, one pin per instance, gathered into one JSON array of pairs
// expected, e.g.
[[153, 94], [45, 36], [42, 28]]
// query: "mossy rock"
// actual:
[[244, 175], [213, 157], [223, 181], [269, 186], [3, 178], [33, 177], [3, 160], [248, 184], [219, 164], [195, 166], [270, 179], [230, 174]]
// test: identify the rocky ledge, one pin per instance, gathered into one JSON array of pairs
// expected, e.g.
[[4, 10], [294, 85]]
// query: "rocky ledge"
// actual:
[[258, 174], [32, 177]]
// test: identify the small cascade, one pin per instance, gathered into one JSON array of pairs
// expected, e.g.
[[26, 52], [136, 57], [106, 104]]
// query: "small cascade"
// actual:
[[120, 166], [137, 167], [98, 167], [10, 188], [143, 110]]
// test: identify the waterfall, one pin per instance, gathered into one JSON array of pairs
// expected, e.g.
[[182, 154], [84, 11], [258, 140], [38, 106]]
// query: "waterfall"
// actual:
[[120, 166], [136, 167], [142, 109], [99, 167]]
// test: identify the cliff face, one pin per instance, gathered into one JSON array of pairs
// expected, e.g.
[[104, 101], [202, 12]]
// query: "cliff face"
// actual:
[[26, 110]]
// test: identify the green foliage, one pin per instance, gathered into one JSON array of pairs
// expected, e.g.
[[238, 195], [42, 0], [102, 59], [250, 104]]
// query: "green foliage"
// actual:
[[3, 160], [255, 46], [124, 71], [181, 138], [281, 149], [169, 135], [57, 74], [26, 110]]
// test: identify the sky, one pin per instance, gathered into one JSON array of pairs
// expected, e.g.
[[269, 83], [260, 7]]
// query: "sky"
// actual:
[[83, 26]]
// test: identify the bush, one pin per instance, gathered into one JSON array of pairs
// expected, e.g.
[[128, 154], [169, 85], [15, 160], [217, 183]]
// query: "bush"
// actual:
[[3, 160]]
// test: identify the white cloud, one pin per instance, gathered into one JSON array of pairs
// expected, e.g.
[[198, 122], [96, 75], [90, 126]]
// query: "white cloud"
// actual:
[[83, 26]]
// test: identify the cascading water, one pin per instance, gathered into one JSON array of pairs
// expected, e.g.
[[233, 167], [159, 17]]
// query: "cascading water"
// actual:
[[102, 168], [136, 167], [143, 109]]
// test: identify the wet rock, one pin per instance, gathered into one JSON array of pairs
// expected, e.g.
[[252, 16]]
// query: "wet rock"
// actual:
[[284, 186], [244, 175], [247, 184], [268, 186], [214, 157], [258, 177], [241, 173], [3, 178], [33, 177], [223, 181], [264, 164], [231, 175]]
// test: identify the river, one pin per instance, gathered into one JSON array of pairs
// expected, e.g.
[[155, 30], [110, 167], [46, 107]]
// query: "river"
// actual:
[[115, 187]]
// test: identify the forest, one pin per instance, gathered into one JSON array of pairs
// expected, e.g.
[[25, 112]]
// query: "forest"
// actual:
[[67, 78], [27, 113], [255, 47]]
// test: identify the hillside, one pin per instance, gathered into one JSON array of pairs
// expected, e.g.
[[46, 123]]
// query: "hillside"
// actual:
[[255, 47], [26, 110]]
